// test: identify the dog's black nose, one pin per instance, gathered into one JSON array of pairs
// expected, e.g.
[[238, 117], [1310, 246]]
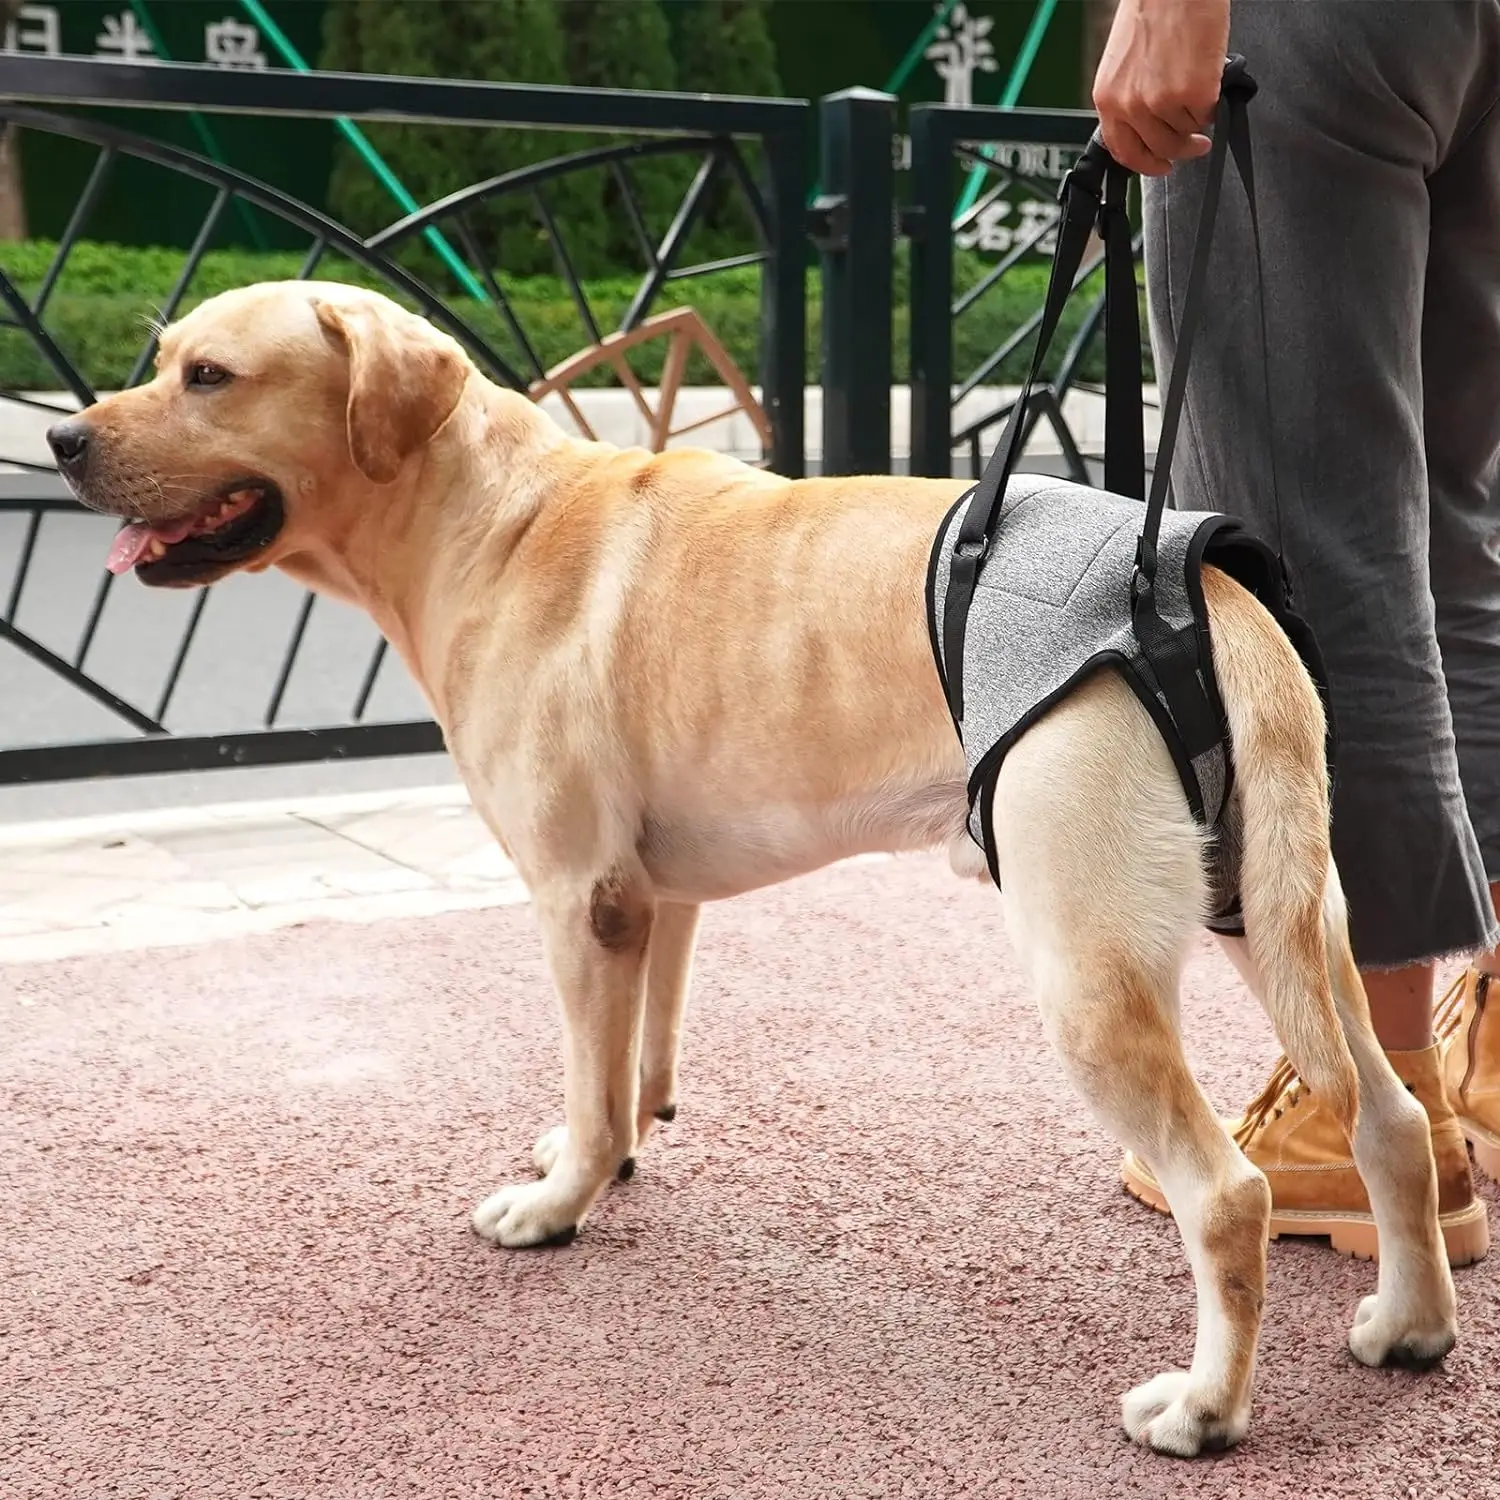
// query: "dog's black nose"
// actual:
[[69, 442]]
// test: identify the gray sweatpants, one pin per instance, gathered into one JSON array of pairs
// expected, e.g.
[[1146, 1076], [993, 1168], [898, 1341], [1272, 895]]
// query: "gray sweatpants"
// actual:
[[1377, 164]]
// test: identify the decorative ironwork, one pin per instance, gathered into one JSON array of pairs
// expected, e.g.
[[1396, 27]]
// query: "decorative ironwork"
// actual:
[[706, 132], [1021, 184], [682, 327]]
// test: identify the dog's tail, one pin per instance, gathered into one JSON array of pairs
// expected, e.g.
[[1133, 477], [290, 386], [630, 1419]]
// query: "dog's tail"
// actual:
[[1277, 726]]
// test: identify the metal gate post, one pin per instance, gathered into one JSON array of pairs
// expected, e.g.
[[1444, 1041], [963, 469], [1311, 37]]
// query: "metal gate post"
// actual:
[[929, 227], [853, 226], [783, 358]]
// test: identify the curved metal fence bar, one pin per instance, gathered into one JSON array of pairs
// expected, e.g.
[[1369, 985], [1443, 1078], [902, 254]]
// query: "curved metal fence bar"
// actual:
[[717, 152], [24, 317], [944, 138], [535, 174], [333, 235]]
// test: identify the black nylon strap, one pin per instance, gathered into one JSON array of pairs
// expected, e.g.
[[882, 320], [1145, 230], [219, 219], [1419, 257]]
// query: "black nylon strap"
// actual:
[[1231, 127], [1174, 663], [1093, 193], [1082, 194], [1124, 430]]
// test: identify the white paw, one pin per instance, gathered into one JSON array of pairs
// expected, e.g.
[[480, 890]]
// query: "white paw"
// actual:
[[1417, 1343], [530, 1213], [1161, 1415], [549, 1147]]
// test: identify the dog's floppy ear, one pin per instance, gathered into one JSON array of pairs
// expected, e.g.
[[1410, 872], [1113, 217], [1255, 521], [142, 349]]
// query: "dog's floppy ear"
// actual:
[[403, 383]]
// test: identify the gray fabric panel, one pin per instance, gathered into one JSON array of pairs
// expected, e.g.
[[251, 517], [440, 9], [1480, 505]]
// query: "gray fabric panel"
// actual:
[[1053, 593]]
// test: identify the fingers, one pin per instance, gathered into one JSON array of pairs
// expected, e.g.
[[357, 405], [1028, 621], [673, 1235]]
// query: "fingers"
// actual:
[[1186, 121], [1149, 142], [1126, 146]]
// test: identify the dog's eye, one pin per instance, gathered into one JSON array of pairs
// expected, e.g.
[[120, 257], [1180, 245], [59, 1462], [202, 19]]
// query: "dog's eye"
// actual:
[[204, 374]]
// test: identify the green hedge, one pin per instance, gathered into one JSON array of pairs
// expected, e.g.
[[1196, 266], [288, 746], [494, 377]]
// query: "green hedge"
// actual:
[[99, 311], [709, 46]]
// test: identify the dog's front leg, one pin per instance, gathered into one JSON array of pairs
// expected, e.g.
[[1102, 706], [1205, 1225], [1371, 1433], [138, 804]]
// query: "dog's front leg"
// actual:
[[669, 967], [669, 974], [596, 937]]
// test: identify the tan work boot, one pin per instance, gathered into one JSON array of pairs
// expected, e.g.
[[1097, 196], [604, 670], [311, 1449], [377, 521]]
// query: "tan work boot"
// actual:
[[1315, 1187], [1468, 1030]]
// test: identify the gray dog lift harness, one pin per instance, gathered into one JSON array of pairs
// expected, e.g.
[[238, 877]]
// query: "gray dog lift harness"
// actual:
[[1047, 580]]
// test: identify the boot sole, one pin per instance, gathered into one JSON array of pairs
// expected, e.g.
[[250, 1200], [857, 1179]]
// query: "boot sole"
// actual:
[[1485, 1145], [1466, 1231]]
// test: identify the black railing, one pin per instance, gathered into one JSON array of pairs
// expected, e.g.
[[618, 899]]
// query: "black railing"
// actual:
[[42, 94], [1023, 154]]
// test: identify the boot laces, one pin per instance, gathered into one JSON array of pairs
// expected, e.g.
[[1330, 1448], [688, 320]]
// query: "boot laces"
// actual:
[[1450, 1009], [1284, 1090]]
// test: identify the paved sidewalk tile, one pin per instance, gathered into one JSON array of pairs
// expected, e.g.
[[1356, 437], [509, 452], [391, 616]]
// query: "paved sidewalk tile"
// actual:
[[178, 876], [169, 878]]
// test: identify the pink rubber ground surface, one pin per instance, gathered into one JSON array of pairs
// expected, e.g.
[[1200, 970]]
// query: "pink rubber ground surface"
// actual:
[[879, 1254]]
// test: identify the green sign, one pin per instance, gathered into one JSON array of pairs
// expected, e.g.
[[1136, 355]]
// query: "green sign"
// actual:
[[147, 205], [821, 46]]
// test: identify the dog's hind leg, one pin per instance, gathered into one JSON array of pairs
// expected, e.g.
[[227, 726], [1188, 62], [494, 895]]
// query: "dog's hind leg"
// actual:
[[1412, 1317], [596, 935], [1102, 873], [1298, 943], [1114, 1033]]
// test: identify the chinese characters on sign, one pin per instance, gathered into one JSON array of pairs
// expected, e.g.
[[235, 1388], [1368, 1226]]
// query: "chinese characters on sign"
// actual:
[[961, 48], [124, 37], [988, 230], [37, 28], [1003, 223], [227, 43], [233, 44]]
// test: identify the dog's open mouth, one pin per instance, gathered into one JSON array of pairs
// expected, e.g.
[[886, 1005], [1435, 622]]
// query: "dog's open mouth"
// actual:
[[244, 518]]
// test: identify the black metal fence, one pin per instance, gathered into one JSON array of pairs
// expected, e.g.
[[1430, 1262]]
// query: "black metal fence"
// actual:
[[1024, 154], [308, 680]]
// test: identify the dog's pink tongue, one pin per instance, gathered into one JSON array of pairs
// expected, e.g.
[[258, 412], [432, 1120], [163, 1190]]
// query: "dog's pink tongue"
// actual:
[[132, 539]]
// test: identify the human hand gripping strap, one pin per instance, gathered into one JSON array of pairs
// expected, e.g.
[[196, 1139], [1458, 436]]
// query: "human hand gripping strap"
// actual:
[[1093, 194], [1232, 136]]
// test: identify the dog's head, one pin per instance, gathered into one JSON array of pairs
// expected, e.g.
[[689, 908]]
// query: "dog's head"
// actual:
[[274, 412]]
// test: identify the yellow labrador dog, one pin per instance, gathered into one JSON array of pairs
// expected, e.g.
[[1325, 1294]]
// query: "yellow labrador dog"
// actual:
[[664, 685]]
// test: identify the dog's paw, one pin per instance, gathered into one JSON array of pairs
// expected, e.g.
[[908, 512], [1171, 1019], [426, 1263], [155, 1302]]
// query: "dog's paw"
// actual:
[[531, 1213], [552, 1143], [549, 1147], [653, 1112], [1164, 1415], [1413, 1343]]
